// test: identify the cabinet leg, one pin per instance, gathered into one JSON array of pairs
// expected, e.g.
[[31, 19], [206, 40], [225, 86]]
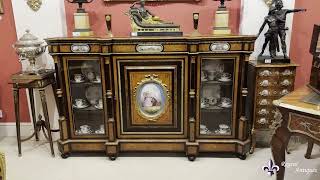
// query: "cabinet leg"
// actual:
[[112, 150], [253, 139], [46, 117], [192, 157], [33, 111], [309, 150], [17, 113], [241, 156], [65, 155]]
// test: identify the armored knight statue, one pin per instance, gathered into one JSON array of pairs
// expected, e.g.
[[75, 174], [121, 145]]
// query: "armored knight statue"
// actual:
[[144, 23], [276, 21]]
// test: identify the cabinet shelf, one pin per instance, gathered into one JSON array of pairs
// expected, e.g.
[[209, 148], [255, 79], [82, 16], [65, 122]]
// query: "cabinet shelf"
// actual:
[[84, 83], [90, 108], [216, 83], [216, 109]]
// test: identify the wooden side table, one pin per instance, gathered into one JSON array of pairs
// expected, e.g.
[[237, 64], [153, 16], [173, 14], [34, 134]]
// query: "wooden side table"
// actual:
[[296, 118], [39, 81]]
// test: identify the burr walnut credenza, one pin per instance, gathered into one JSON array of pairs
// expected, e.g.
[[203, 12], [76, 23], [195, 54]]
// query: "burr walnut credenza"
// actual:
[[153, 94]]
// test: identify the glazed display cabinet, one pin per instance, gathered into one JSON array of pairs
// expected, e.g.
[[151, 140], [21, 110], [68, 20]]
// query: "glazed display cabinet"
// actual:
[[166, 94]]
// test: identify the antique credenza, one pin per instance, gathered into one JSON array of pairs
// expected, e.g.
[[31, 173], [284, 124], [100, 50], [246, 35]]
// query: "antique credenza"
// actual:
[[155, 94]]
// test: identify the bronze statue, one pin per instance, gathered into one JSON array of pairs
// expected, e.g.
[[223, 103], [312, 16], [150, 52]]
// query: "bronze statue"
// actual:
[[144, 22], [276, 21], [271, 36], [281, 16]]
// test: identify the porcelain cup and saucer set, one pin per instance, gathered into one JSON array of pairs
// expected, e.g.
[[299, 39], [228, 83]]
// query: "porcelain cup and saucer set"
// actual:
[[225, 102], [223, 129], [99, 104], [84, 129], [204, 129], [80, 103], [78, 78], [225, 77]]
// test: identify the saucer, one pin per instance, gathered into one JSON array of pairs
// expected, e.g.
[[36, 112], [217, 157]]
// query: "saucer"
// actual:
[[225, 106], [96, 81], [224, 80], [98, 107], [74, 81], [80, 107], [221, 132]]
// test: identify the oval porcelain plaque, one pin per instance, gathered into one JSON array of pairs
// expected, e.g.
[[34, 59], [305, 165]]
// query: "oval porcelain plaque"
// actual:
[[220, 46], [149, 48], [80, 48], [151, 98]]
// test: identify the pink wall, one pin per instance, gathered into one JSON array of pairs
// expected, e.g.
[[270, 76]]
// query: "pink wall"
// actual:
[[301, 38], [179, 13], [9, 65]]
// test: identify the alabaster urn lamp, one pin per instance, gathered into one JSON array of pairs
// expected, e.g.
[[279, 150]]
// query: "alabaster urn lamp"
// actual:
[[81, 19], [29, 47]]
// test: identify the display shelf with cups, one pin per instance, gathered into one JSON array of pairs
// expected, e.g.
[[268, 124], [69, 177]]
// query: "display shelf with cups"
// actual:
[[216, 89], [86, 97]]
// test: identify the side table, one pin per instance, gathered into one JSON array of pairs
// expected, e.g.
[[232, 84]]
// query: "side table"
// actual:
[[296, 118], [34, 81]]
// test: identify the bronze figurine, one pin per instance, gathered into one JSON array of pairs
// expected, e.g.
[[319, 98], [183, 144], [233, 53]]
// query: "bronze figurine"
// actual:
[[276, 21], [144, 23], [80, 2]]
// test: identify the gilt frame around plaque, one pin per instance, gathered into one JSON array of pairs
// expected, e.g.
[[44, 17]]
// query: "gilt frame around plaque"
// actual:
[[1, 7]]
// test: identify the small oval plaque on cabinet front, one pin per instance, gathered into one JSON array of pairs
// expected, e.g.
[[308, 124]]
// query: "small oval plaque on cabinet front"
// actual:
[[220, 46], [149, 48], [80, 48]]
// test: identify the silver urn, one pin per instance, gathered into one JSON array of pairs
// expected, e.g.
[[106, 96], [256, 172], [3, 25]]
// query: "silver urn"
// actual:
[[29, 47]]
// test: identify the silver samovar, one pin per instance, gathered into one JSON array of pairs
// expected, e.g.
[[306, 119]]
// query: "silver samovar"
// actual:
[[29, 47]]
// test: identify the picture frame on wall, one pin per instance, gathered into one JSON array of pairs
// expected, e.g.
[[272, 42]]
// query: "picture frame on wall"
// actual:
[[1, 7]]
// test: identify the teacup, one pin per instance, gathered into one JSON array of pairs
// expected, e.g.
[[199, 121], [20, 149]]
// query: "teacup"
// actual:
[[204, 102], [98, 78], [91, 76], [225, 102], [85, 129], [225, 76], [79, 102], [212, 100], [211, 75], [203, 76], [78, 77], [223, 128], [100, 103]]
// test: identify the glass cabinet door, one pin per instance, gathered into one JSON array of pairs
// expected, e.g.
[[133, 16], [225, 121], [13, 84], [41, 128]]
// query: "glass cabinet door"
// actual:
[[216, 97], [86, 97]]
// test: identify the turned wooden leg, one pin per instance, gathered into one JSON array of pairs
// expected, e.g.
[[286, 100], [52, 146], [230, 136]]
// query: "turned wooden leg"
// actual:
[[33, 111], [309, 150], [253, 140], [46, 117], [17, 113], [279, 144]]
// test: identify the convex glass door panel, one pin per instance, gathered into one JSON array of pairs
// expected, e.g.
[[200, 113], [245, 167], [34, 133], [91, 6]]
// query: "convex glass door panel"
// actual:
[[216, 96], [86, 98]]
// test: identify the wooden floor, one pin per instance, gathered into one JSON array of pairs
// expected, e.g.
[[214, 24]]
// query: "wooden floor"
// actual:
[[37, 164]]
